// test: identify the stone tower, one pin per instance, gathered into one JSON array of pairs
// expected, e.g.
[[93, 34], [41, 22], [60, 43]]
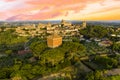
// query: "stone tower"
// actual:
[[65, 23], [54, 40], [48, 26], [84, 24]]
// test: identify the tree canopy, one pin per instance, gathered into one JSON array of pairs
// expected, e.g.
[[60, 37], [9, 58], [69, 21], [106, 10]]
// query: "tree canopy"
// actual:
[[95, 32]]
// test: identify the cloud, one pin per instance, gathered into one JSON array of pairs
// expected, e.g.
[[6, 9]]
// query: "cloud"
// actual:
[[53, 9], [9, 0], [37, 16]]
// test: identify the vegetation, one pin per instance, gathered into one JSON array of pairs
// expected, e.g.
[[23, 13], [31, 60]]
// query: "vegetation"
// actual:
[[45, 60], [94, 48], [107, 62], [40, 60], [10, 42], [37, 48], [116, 47], [9, 38], [95, 32], [99, 75]]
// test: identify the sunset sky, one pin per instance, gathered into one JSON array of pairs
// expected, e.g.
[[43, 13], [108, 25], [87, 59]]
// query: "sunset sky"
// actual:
[[59, 9]]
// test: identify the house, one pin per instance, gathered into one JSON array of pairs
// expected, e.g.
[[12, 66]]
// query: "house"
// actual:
[[105, 43]]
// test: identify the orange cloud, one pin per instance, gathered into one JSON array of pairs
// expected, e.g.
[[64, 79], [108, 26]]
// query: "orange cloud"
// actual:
[[66, 9], [9, 0], [37, 16]]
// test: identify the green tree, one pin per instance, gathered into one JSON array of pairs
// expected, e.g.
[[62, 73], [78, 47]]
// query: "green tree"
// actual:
[[97, 75], [95, 31], [8, 52], [107, 62], [37, 48], [116, 47], [74, 49], [5, 73], [52, 56]]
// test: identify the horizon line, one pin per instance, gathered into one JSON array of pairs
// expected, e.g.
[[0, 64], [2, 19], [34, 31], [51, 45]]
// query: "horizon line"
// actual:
[[52, 20]]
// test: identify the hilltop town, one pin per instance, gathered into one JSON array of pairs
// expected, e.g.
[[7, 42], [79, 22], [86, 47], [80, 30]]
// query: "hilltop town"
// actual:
[[63, 28], [59, 51]]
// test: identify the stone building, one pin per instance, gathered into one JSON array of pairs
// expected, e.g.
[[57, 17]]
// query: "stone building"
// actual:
[[64, 23], [48, 26], [84, 24], [41, 25], [54, 41]]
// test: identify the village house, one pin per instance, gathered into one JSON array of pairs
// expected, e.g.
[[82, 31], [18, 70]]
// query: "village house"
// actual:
[[105, 43], [62, 29]]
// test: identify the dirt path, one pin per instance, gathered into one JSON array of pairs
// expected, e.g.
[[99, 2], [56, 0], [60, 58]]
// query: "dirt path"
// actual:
[[50, 77], [113, 72]]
